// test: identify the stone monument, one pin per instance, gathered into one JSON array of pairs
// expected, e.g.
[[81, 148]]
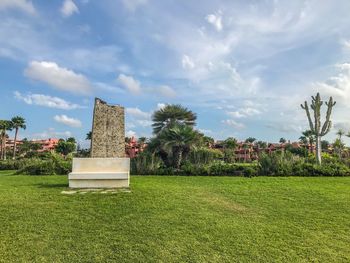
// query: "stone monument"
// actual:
[[107, 167]]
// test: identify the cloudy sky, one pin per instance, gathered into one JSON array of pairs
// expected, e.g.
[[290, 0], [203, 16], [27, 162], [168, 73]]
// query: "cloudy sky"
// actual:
[[243, 66]]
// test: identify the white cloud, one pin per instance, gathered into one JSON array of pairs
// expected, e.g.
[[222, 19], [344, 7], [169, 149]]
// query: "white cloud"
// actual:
[[187, 62], [130, 83], [345, 44], [215, 20], [132, 5], [46, 101], [134, 86], [234, 124], [285, 128], [337, 86], [69, 8], [144, 123], [166, 91], [130, 133], [51, 133], [23, 5], [244, 112], [64, 119], [137, 113], [160, 105], [60, 78], [236, 114]]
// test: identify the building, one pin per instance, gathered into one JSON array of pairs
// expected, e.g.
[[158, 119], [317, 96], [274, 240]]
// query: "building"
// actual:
[[46, 144], [133, 147]]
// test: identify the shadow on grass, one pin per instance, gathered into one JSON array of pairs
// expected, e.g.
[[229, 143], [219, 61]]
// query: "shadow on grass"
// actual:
[[42, 185]]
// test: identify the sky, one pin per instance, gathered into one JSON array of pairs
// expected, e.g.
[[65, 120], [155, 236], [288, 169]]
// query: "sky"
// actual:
[[244, 67]]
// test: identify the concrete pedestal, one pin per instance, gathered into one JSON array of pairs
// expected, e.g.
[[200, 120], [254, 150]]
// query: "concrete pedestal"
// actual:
[[100, 173]]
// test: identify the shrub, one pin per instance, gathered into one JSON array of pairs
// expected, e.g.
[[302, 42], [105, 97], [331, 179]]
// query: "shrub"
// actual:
[[204, 155], [145, 163], [55, 164]]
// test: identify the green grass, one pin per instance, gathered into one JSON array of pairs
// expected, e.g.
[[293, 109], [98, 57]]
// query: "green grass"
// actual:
[[176, 219]]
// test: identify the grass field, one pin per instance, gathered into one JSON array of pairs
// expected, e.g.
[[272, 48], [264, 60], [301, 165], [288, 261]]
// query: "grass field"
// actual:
[[176, 219]]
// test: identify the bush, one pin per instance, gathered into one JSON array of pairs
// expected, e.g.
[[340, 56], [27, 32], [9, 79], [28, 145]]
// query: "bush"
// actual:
[[145, 163], [204, 156], [55, 164], [277, 164]]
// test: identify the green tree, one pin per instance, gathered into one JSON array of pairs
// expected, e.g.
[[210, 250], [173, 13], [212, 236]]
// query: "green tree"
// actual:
[[17, 123], [303, 139], [310, 138], [72, 140], [65, 147], [261, 144], [27, 147], [283, 140], [325, 145], [250, 140], [340, 133], [172, 115], [230, 143], [338, 146], [141, 142], [316, 127], [208, 141], [88, 136], [176, 139], [5, 125]]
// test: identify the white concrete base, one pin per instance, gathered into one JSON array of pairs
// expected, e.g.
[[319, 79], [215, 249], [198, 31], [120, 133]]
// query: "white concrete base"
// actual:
[[100, 173]]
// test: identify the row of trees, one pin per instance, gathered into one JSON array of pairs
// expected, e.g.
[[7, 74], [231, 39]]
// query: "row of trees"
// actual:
[[15, 123]]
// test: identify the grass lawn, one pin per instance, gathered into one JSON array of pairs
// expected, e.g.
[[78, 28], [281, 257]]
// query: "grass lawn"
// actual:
[[176, 219]]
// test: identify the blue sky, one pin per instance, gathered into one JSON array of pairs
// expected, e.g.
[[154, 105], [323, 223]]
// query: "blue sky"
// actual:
[[243, 66]]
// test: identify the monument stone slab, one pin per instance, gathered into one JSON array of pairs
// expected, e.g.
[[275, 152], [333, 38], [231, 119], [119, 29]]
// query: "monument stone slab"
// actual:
[[107, 167]]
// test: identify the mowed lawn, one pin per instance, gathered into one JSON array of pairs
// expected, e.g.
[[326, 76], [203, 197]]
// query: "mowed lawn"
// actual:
[[176, 219]]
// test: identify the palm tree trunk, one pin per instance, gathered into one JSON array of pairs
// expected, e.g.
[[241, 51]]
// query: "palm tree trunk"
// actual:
[[2, 148], [179, 159], [14, 145]]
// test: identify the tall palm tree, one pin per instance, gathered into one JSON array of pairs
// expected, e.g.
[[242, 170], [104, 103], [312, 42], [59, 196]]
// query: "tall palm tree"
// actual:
[[17, 123], [177, 139], [5, 125], [171, 115]]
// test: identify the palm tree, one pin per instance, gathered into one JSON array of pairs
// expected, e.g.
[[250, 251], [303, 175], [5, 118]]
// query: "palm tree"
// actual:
[[246, 147], [338, 146], [177, 139], [17, 123], [171, 115], [250, 140], [303, 140], [88, 136], [141, 143], [340, 133], [283, 140], [310, 138], [230, 143], [208, 141], [5, 125], [325, 145]]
